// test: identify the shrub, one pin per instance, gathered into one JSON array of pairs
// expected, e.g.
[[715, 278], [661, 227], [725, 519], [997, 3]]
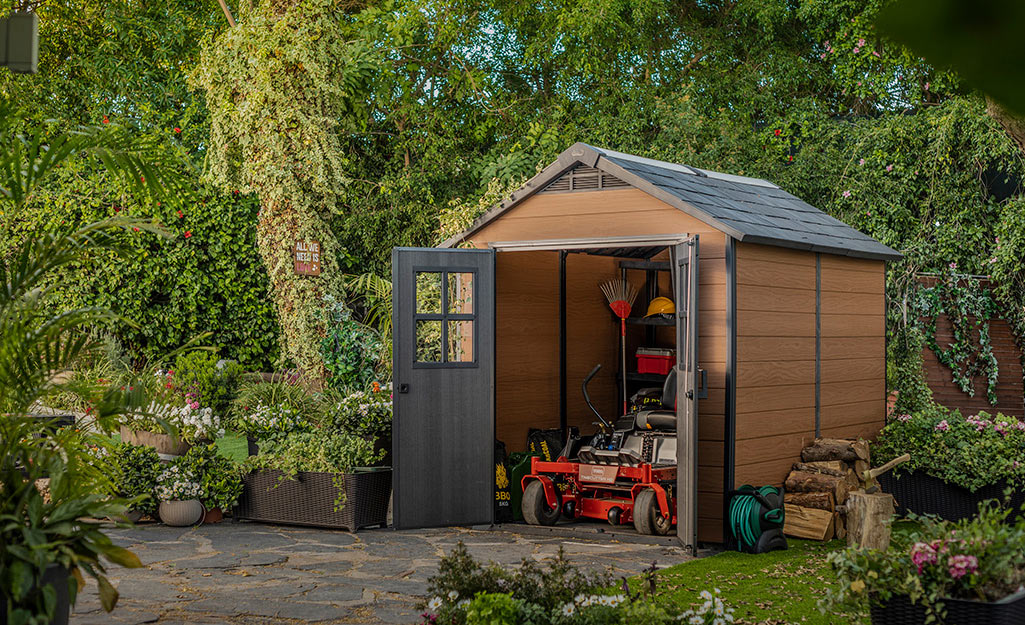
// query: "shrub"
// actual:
[[351, 351], [970, 452], [318, 451], [200, 378], [135, 471], [190, 424], [267, 422], [176, 484], [219, 479], [278, 392], [364, 413], [981, 558]]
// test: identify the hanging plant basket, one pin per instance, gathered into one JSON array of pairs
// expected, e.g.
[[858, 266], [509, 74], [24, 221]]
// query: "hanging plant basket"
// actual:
[[900, 611], [311, 498], [922, 493]]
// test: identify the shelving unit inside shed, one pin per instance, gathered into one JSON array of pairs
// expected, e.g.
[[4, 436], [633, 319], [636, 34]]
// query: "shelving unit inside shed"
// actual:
[[657, 331]]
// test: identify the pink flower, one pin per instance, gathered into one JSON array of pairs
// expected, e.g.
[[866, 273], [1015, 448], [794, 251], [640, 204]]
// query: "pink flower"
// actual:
[[904, 418], [961, 565], [861, 42], [846, 194], [1020, 425], [943, 426], [874, 53], [922, 554], [822, 56], [861, 161], [992, 260], [889, 167], [926, 86], [953, 266], [194, 405]]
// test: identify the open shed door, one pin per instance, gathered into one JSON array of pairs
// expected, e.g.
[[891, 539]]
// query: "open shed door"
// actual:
[[443, 351], [687, 390]]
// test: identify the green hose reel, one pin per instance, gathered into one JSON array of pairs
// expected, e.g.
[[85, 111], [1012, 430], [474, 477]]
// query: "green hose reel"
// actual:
[[756, 519]]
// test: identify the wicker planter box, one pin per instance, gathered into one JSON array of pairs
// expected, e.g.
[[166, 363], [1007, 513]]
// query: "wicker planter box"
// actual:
[[310, 499], [924, 494], [900, 611]]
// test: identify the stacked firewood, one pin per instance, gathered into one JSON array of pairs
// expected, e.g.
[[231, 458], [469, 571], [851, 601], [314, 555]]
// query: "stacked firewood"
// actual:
[[818, 487]]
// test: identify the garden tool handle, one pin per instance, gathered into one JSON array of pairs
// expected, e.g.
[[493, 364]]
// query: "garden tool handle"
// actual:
[[871, 474]]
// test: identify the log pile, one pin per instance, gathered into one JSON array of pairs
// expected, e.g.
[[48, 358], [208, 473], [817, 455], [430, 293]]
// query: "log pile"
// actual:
[[818, 488]]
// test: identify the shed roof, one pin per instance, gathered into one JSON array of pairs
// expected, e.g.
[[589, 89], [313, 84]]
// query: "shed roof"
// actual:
[[749, 209]]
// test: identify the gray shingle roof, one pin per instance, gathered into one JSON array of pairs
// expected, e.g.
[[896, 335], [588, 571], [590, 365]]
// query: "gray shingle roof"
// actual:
[[749, 209]]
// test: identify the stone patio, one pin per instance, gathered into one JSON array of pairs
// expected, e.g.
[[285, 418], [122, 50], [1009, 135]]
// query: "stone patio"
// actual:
[[271, 575]]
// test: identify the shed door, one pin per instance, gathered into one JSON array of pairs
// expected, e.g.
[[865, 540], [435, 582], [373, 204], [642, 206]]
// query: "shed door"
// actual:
[[443, 353], [687, 390]]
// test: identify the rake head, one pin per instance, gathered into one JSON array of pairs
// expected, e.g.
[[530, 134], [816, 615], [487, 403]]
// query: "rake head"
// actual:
[[621, 295]]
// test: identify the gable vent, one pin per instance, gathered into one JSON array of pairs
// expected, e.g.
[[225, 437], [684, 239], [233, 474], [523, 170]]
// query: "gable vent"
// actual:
[[582, 178]]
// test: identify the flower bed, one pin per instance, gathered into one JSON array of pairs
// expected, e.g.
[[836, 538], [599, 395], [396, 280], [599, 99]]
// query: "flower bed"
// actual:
[[312, 498], [956, 462]]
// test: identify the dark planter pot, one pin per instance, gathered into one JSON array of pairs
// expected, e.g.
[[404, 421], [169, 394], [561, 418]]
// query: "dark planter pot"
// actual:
[[56, 576], [924, 494], [213, 515], [310, 499], [900, 611], [253, 445]]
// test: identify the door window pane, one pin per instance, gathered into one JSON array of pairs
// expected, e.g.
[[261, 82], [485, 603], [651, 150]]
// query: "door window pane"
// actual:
[[460, 341], [460, 293], [428, 292], [428, 340]]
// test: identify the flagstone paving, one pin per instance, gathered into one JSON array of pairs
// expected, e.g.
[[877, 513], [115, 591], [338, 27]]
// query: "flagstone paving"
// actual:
[[273, 575]]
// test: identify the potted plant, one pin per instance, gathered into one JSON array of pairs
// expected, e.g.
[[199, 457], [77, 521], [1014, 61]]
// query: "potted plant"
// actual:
[[366, 413], [220, 480], [956, 462], [189, 423], [50, 542], [953, 572], [135, 469], [321, 478], [179, 493], [265, 422]]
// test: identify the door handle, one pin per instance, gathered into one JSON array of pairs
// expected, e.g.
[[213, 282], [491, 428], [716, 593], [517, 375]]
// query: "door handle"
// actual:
[[703, 390], [403, 388]]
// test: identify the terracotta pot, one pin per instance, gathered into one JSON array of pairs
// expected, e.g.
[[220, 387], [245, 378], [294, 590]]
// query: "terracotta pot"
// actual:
[[181, 513], [213, 515], [165, 445]]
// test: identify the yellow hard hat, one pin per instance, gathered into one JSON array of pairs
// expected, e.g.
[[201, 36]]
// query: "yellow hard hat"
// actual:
[[661, 306]]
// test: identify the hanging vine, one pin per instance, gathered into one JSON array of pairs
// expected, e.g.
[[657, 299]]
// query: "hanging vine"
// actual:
[[283, 86], [970, 308]]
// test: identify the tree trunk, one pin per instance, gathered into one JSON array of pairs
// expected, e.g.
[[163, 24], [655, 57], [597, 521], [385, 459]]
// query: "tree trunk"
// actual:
[[299, 299], [1013, 125], [868, 520]]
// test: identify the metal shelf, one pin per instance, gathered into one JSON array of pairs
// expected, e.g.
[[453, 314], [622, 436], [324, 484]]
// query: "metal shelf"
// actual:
[[651, 321], [654, 378]]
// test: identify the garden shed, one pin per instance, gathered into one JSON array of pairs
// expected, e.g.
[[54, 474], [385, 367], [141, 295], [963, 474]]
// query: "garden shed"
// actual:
[[778, 334]]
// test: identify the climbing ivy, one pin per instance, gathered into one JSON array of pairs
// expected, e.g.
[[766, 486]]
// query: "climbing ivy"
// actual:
[[969, 307], [283, 87]]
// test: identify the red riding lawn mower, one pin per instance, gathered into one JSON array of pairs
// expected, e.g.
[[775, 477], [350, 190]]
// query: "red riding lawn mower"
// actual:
[[625, 473]]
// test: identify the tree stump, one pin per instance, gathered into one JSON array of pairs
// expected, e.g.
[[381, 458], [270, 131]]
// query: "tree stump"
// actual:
[[868, 520]]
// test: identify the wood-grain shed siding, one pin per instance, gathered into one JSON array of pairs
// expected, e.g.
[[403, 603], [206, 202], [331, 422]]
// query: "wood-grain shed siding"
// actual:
[[527, 359], [779, 294]]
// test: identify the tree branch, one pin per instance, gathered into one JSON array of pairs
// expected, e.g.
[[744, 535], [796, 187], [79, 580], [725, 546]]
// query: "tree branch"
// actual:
[[227, 13]]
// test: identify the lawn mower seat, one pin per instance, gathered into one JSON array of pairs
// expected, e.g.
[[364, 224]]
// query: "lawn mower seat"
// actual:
[[663, 420]]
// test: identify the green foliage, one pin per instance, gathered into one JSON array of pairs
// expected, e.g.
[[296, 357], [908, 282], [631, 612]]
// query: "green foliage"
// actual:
[[905, 371], [136, 468], [200, 376], [970, 452], [319, 451], [219, 479], [265, 422], [496, 608], [280, 391], [982, 559], [62, 531], [351, 351], [364, 413]]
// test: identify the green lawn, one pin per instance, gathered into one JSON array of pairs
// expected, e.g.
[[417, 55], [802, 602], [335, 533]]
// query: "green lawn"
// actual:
[[233, 446], [775, 588]]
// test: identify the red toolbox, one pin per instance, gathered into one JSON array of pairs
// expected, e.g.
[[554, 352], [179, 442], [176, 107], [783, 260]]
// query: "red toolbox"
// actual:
[[655, 360]]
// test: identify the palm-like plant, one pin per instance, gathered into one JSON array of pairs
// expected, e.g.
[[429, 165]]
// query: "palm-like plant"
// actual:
[[40, 532]]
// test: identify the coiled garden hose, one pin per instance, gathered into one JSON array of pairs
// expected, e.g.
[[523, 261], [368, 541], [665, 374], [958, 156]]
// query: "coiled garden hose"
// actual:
[[746, 514]]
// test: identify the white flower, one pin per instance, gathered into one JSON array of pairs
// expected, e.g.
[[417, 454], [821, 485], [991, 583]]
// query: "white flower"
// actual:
[[434, 603], [580, 598], [707, 596], [696, 620], [453, 595], [568, 609], [706, 606], [719, 621], [463, 603]]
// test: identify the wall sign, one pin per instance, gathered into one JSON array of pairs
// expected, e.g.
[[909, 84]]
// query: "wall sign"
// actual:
[[307, 258]]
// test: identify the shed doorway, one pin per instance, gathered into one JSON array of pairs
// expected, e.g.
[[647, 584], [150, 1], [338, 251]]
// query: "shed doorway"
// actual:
[[540, 324]]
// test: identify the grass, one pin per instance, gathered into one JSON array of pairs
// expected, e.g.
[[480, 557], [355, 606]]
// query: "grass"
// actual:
[[777, 588], [233, 446]]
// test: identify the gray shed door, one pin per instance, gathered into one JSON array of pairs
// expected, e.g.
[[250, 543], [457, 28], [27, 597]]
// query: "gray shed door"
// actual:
[[443, 352], [687, 380]]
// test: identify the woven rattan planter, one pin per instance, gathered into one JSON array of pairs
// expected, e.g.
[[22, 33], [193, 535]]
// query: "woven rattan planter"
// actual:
[[900, 611], [310, 499], [924, 494]]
